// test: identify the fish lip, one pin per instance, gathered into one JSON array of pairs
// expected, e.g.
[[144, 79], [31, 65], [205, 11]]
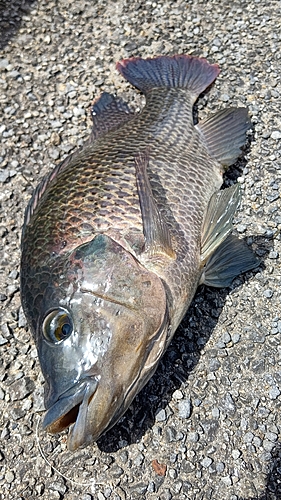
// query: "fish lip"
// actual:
[[67, 401]]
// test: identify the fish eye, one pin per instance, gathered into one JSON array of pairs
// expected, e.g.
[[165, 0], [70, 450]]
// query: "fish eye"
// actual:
[[57, 326]]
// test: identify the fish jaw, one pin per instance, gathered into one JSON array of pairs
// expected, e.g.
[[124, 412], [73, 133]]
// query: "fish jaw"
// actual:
[[71, 407]]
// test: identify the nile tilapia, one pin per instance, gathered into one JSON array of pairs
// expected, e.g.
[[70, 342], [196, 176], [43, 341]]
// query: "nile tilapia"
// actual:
[[119, 236]]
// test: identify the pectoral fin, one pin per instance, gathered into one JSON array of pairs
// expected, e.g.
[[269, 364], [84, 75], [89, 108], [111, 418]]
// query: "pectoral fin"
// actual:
[[223, 255], [155, 229], [225, 133]]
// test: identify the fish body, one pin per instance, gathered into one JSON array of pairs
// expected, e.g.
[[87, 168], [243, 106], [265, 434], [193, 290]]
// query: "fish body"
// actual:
[[118, 237]]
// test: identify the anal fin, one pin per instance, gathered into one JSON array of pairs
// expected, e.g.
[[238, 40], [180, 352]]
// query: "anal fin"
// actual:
[[217, 224], [223, 255], [155, 229], [232, 258]]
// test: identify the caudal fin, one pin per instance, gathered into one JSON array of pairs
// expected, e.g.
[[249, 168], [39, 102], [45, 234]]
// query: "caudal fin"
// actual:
[[179, 71]]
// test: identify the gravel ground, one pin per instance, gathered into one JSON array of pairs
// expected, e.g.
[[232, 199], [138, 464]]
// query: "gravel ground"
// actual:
[[207, 426]]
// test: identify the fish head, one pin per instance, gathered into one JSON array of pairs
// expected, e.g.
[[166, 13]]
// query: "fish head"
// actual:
[[101, 340]]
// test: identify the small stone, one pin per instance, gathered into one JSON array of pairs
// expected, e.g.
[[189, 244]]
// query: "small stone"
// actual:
[[56, 486], [225, 337], [276, 135], [214, 364], [236, 454], [248, 437], [66, 148], [273, 255], [228, 404], [17, 413], [268, 293], [116, 471], [267, 445], [78, 111], [271, 436], [4, 175], [220, 467], [3, 340], [206, 462], [21, 388], [4, 63], [274, 392], [170, 434], [235, 337], [160, 415], [55, 139], [272, 197], [177, 394], [151, 487], [193, 437], [166, 495], [139, 488], [227, 480], [139, 460], [54, 154], [9, 476], [215, 412], [184, 407]]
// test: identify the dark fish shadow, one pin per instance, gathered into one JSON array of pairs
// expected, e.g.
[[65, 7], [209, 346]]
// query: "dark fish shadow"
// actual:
[[177, 363], [273, 481], [11, 13]]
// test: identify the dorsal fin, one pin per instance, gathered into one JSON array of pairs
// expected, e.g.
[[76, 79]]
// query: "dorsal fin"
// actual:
[[108, 113]]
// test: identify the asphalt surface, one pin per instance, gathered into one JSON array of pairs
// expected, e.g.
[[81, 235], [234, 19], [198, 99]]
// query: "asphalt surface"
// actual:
[[211, 414]]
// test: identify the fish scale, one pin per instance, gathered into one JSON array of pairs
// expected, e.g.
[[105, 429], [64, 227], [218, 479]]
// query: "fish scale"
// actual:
[[118, 237], [71, 190]]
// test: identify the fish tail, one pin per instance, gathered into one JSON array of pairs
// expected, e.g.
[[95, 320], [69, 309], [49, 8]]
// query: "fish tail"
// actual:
[[180, 71]]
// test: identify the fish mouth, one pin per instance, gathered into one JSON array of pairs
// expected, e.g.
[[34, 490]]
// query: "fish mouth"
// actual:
[[70, 410]]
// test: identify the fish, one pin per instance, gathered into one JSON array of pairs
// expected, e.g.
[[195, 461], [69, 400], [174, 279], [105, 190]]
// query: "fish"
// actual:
[[118, 237]]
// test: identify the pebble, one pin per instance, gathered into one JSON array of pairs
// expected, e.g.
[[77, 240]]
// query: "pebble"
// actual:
[[193, 437], [21, 388], [274, 392], [273, 255], [184, 407], [248, 437], [206, 462], [9, 476], [236, 454], [160, 415], [220, 467], [276, 135]]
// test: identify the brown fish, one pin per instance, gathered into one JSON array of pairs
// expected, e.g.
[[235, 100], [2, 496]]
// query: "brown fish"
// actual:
[[118, 237]]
